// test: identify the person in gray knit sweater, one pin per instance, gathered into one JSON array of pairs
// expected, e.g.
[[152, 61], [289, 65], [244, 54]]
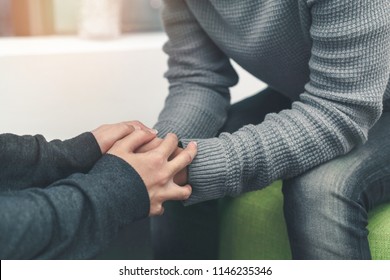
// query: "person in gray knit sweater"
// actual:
[[68, 199], [322, 125]]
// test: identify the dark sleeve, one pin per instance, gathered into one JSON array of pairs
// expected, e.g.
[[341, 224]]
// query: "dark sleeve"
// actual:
[[73, 218], [31, 161]]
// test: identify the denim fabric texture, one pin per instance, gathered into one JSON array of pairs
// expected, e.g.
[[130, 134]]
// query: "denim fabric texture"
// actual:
[[326, 209]]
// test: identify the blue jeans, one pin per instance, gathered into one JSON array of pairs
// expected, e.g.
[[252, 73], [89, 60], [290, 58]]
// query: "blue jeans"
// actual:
[[325, 208]]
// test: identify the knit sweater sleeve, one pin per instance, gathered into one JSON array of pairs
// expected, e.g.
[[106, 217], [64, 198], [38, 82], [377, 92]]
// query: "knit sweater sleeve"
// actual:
[[349, 70], [31, 161], [73, 218], [199, 75]]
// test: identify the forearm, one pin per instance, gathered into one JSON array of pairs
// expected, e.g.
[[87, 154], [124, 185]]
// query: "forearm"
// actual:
[[343, 100], [192, 112], [255, 156], [199, 75], [31, 161], [73, 218]]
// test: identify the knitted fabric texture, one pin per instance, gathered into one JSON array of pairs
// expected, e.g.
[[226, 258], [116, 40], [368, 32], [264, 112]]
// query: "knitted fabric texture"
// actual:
[[332, 57]]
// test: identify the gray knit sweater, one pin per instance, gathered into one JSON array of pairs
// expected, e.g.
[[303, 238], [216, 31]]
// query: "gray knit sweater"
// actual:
[[332, 57]]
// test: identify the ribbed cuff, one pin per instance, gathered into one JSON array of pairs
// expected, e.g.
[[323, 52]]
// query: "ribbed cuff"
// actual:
[[208, 171], [246, 169]]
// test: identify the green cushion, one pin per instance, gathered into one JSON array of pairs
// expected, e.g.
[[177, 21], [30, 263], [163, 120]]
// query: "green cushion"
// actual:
[[379, 228], [252, 226]]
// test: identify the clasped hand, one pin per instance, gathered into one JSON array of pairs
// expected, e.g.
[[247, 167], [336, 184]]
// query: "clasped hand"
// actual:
[[160, 163]]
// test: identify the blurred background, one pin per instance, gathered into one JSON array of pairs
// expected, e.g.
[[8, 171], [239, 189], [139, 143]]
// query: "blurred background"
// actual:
[[49, 17]]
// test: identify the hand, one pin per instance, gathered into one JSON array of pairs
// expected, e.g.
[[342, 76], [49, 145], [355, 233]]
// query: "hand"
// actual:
[[106, 135], [155, 167], [150, 146], [181, 178]]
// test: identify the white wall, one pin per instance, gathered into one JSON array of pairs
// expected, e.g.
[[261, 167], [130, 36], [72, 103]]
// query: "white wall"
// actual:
[[62, 86], [66, 15]]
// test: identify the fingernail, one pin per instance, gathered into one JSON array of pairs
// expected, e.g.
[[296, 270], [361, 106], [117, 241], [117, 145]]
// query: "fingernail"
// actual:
[[196, 144], [136, 127], [154, 131]]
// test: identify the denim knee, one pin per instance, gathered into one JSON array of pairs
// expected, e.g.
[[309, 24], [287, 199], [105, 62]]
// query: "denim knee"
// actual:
[[326, 208], [327, 200], [324, 213], [350, 176], [336, 180]]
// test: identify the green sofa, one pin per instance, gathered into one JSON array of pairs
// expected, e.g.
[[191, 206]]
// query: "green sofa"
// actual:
[[252, 227]]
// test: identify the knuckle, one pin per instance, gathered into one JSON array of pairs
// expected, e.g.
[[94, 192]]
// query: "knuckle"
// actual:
[[135, 125], [187, 157], [135, 122], [164, 177], [173, 137], [187, 194], [158, 198], [157, 210], [123, 126]]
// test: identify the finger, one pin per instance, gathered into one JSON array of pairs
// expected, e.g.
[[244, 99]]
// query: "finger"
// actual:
[[175, 153], [157, 210], [121, 130], [107, 135], [175, 192], [136, 139], [149, 146], [184, 158], [139, 125], [168, 145]]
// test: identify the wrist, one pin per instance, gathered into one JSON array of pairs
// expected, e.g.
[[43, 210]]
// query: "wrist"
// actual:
[[207, 174]]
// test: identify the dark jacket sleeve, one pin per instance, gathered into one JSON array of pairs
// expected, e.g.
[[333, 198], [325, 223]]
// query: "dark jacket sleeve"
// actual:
[[73, 218], [31, 161]]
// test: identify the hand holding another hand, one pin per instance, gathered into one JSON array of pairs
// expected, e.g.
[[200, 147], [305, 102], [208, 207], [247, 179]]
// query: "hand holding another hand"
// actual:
[[181, 177], [106, 135], [157, 165]]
